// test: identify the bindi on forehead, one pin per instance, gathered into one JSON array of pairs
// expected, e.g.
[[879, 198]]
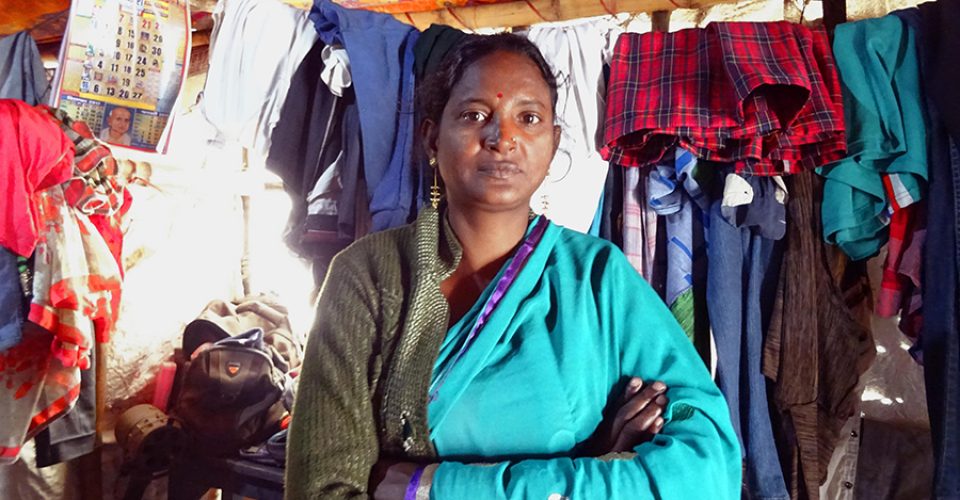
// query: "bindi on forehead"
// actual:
[[499, 95]]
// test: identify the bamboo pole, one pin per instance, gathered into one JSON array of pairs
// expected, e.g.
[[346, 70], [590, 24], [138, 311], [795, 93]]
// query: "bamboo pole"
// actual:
[[538, 11], [526, 12]]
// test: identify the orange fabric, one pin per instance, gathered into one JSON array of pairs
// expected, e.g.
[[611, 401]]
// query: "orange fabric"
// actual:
[[55, 409]]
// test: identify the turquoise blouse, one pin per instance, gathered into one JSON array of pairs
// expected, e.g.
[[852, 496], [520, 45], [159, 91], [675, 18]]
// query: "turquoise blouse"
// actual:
[[577, 322]]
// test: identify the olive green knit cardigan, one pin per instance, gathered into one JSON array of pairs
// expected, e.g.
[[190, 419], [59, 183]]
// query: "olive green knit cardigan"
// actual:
[[369, 359]]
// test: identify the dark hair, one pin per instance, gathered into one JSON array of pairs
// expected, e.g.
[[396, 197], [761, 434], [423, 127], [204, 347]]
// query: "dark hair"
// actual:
[[434, 91]]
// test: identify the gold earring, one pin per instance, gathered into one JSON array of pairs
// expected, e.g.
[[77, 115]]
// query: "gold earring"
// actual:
[[544, 196], [435, 188]]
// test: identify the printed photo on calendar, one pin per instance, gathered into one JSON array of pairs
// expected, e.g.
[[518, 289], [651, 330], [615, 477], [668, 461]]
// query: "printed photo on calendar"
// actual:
[[122, 65]]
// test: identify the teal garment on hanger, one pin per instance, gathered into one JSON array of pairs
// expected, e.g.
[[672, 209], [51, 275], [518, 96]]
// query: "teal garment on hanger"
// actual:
[[886, 164]]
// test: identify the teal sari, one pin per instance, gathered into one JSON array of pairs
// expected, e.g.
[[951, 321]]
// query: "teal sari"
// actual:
[[522, 392]]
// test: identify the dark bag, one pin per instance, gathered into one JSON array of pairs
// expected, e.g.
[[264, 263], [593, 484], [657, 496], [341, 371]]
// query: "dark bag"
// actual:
[[229, 396]]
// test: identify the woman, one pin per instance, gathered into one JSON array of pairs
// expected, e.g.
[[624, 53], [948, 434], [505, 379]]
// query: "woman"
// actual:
[[473, 353]]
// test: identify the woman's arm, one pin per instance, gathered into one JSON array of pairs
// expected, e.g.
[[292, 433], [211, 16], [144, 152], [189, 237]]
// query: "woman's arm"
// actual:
[[695, 455], [333, 442]]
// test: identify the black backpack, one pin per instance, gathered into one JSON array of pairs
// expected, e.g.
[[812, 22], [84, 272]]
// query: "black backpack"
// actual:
[[229, 393]]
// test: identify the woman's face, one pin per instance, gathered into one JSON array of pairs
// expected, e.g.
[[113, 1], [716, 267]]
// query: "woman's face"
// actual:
[[496, 137]]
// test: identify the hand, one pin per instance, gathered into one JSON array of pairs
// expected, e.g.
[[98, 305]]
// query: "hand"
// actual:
[[390, 479], [638, 417]]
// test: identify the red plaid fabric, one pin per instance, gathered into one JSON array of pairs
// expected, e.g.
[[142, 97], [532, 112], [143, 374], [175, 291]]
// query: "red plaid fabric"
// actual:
[[900, 291], [763, 96], [94, 188]]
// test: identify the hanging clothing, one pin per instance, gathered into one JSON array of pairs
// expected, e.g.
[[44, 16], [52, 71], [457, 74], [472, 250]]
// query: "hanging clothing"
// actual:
[[310, 152], [76, 283], [815, 350], [756, 202], [22, 75], [74, 434], [742, 273], [11, 300], [336, 69], [256, 47], [611, 218], [674, 193], [900, 287], [467, 420], [35, 390], [640, 229], [381, 65], [886, 135], [95, 188], [900, 290], [34, 155], [76, 288], [940, 340], [392, 203], [576, 52], [763, 96]]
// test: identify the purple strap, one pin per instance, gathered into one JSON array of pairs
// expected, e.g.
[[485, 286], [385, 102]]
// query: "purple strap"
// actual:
[[509, 276], [411, 493]]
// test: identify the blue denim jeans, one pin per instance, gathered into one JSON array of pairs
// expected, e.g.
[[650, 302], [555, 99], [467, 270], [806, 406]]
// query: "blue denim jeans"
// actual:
[[11, 299], [743, 270], [940, 341]]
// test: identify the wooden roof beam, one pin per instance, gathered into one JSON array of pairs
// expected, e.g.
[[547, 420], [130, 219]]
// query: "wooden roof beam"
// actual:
[[529, 12]]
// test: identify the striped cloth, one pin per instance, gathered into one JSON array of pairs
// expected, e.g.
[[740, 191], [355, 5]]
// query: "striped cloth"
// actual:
[[900, 291], [763, 96], [639, 225]]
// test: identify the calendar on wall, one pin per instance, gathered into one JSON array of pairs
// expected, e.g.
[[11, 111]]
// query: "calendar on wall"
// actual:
[[122, 65]]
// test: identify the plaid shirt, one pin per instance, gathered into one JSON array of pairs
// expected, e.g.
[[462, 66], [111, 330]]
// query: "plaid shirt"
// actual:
[[764, 96], [94, 188], [900, 288]]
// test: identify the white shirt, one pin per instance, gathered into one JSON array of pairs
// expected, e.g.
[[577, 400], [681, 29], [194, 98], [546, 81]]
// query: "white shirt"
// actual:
[[257, 47], [105, 137], [576, 51]]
